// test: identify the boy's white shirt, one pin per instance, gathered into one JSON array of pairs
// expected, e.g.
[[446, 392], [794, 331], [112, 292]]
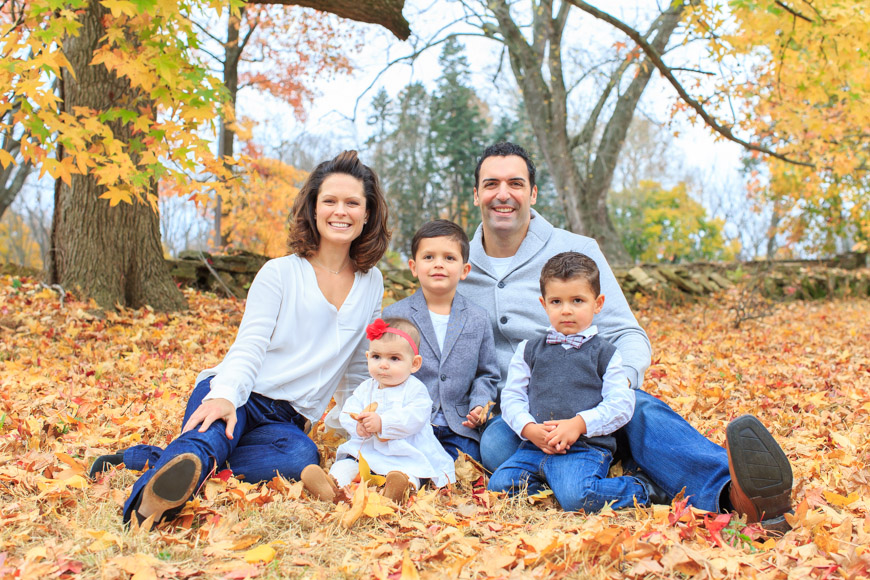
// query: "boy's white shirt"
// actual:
[[613, 412], [439, 323]]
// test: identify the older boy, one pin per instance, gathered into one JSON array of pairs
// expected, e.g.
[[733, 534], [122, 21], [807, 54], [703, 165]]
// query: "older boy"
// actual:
[[457, 346], [566, 391]]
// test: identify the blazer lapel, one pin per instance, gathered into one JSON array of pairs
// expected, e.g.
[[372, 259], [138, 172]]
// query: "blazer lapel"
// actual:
[[454, 324], [423, 321]]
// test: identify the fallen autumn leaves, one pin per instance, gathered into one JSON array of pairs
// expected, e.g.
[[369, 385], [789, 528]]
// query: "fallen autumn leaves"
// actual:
[[77, 383]]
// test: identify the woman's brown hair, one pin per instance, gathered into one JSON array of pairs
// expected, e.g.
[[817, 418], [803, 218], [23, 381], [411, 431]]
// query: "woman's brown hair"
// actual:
[[369, 247]]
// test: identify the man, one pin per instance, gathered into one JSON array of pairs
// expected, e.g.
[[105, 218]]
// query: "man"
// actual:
[[751, 476]]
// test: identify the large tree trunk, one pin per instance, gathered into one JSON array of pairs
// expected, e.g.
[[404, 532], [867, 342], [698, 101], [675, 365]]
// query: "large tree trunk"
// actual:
[[112, 254]]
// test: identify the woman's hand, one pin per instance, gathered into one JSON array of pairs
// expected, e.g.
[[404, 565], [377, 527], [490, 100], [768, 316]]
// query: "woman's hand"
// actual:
[[210, 411]]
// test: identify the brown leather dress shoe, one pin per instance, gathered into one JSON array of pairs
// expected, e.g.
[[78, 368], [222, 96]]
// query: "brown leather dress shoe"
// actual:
[[761, 477]]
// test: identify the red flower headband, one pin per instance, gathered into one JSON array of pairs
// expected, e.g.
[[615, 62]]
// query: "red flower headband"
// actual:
[[378, 328]]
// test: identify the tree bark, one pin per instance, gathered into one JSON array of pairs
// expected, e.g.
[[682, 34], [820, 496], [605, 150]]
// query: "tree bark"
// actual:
[[226, 137], [112, 254], [12, 177], [387, 13]]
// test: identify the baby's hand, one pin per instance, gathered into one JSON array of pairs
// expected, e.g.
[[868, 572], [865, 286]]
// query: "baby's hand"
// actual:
[[475, 418], [370, 421], [361, 431], [565, 432]]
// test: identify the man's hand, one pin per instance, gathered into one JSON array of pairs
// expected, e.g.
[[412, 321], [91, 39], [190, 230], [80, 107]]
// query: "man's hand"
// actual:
[[210, 411], [537, 434], [475, 418], [370, 421], [565, 432]]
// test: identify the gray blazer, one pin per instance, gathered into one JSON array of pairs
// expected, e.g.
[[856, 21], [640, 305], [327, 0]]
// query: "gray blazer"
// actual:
[[466, 374]]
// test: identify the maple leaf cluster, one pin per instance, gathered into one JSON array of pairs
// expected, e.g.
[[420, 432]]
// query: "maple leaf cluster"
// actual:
[[77, 382]]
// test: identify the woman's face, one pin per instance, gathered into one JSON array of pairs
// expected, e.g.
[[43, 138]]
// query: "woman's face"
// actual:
[[341, 209]]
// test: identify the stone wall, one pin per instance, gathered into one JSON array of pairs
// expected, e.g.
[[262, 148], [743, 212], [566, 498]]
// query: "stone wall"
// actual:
[[846, 275]]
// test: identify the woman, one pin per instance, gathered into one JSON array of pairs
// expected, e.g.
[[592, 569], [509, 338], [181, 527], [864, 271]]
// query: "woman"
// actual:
[[300, 342]]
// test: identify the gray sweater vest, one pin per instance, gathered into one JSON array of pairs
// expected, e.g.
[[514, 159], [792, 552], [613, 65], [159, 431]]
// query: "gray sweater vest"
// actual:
[[564, 382]]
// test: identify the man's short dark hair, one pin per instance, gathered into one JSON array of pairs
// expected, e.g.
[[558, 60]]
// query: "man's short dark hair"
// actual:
[[506, 149], [569, 266], [439, 229]]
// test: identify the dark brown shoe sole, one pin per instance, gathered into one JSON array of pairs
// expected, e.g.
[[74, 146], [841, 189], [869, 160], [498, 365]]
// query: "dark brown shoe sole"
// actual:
[[171, 487], [761, 467]]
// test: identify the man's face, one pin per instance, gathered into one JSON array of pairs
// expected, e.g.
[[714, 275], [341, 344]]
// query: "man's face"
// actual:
[[504, 195]]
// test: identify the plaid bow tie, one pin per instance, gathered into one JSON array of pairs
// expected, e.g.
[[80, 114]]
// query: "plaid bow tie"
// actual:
[[572, 340]]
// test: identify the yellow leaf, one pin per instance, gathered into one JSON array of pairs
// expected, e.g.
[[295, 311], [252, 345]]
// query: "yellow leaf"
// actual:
[[116, 195], [357, 506], [376, 506], [103, 540], [5, 158], [264, 553], [119, 7], [366, 475], [839, 500], [544, 493], [409, 571]]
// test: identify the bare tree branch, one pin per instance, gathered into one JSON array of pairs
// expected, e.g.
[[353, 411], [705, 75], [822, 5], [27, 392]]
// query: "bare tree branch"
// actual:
[[654, 57]]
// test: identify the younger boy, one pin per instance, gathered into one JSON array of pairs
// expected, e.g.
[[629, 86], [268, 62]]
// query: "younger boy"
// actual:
[[459, 364], [565, 394]]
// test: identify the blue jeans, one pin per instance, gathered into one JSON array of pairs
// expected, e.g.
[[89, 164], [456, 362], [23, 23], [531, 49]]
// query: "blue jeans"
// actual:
[[498, 443], [578, 478], [268, 439], [672, 452], [454, 443]]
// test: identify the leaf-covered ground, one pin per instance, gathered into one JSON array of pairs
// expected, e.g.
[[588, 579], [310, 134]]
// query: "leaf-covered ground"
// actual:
[[76, 383]]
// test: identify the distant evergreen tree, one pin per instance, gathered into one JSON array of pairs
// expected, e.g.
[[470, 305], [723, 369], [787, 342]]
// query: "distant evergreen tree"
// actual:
[[402, 156], [459, 131]]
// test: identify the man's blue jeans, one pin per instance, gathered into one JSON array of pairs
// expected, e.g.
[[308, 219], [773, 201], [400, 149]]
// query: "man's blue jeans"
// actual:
[[268, 439], [454, 443], [578, 478], [669, 450]]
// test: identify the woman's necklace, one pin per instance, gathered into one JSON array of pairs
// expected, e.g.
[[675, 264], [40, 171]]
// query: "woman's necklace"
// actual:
[[336, 272]]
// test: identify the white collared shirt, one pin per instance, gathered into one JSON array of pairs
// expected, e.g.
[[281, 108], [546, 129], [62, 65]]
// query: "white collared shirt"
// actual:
[[613, 412]]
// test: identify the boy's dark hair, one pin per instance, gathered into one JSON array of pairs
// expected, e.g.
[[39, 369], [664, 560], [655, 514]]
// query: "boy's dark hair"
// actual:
[[439, 229], [405, 326], [369, 247], [568, 266], [506, 149]]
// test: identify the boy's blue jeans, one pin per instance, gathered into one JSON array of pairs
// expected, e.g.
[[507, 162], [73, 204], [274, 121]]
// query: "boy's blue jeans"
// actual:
[[578, 478], [454, 443], [268, 439], [672, 452]]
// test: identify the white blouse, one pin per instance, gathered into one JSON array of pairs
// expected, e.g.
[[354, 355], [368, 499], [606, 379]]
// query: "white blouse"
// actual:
[[407, 442], [293, 345]]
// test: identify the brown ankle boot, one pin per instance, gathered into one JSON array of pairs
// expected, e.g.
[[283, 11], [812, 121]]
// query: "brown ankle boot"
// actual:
[[396, 486], [169, 488], [319, 483]]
